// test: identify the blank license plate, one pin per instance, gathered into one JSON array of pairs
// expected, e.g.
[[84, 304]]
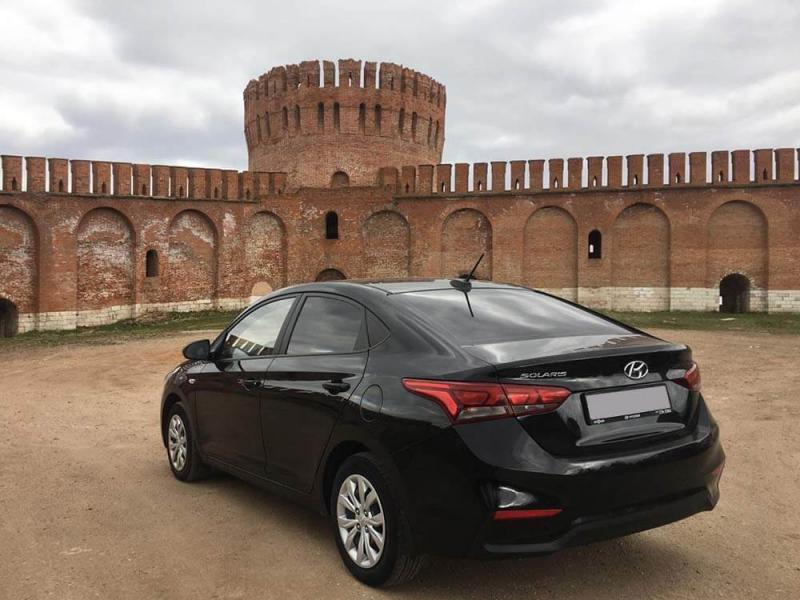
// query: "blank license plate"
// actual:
[[627, 404]]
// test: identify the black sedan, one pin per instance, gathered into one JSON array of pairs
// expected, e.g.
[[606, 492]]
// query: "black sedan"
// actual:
[[459, 417]]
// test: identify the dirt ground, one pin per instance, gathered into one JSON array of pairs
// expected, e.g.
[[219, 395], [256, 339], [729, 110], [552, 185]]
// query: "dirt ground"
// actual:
[[89, 509]]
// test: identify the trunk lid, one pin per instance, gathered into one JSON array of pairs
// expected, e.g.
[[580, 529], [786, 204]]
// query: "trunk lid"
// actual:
[[594, 364]]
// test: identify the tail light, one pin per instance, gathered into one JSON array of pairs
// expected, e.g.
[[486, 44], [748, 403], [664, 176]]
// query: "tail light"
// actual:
[[691, 378], [467, 401]]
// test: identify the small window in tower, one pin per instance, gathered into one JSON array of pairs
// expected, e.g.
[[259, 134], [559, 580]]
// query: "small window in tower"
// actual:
[[430, 129], [414, 126], [635, 180], [378, 118], [765, 175], [336, 122], [594, 181], [320, 116], [285, 118], [103, 188], [362, 118], [721, 177], [340, 179], [436, 135], [677, 177], [296, 118], [331, 226], [402, 121], [595, 244], [151, 263], [216, 192], [13, 184], [144, 190], [267, 125], [60, 185], [555, 183]]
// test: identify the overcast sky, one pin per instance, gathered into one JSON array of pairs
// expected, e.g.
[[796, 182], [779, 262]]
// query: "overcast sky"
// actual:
[[161, 82]]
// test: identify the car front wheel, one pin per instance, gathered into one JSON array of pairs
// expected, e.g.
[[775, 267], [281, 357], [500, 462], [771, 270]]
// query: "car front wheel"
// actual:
[[184, 461], [371, 529]]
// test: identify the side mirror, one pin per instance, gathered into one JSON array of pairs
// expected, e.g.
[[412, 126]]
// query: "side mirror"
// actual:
[[199, 350]]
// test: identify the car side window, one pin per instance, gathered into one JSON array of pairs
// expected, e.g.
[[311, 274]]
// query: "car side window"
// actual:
[[257, 333], [328, 325]]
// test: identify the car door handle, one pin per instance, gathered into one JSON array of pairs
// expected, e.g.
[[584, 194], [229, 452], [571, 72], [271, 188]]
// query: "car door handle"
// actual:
[[250, 384], [336, 387]]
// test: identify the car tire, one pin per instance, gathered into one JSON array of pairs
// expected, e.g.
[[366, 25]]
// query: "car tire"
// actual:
[[365, 508], [182, 456]]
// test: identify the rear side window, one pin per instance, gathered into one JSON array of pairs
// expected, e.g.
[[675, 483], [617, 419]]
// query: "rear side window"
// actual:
[[502, 315], [328, 325], [257, 333]]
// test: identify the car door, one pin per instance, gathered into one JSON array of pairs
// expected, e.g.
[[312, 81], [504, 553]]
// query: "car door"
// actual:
[[228, 392], [306, 387]]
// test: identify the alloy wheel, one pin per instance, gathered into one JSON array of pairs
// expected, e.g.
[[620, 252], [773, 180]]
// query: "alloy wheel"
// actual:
[[361, 521], [177, 442]]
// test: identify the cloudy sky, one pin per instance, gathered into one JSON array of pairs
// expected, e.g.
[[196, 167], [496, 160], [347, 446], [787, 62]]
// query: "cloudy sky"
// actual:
[[161, 81]]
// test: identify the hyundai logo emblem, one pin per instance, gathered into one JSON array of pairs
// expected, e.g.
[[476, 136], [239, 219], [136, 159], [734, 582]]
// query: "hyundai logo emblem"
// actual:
[[636, 369]]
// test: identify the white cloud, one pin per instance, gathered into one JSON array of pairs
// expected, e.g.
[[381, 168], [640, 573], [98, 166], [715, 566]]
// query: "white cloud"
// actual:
[[162, 82]]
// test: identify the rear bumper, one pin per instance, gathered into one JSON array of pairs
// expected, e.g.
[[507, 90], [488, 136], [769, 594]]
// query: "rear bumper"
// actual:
[[585, 530], [450, 479]]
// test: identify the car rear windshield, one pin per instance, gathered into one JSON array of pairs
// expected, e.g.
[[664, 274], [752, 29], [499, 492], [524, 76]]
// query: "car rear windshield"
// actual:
[[504, 315]]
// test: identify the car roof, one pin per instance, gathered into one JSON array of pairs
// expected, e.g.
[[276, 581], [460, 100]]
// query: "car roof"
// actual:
[[390, 286]]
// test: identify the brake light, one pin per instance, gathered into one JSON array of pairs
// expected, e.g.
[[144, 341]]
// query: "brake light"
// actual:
[[691, 378], [468, 401]]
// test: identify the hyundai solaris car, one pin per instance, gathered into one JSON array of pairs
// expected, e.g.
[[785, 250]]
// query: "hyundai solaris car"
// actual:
[[449, 417]]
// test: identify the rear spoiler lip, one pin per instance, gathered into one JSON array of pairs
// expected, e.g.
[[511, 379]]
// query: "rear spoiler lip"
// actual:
[[551, 359]]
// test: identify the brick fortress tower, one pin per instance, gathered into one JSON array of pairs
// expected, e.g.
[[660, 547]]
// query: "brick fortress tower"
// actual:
[[337, 131]]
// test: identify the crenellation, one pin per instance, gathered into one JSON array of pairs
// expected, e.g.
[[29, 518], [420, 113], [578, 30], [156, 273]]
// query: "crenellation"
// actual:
[[179, 182], [594, 171], [720, 166], [677, 168], [498, 176], [160, 181], [444, 174], [784, 164], [370, 70], [349, 72], [59, 175], [575, 173], [197, 183], [309, 74], [328, 73], [142, 185], [518, 175], [230, 184], [408, 180], [655, 170], [480, 176], [80, 176], [763, 165], [36, 169], [697, 168], [246, 185], [213, 188], [12, 173], [635, 170], [614, 171], [555, 167], [536, 174], [121, 172], [292, 77], [101, 177], [462, 178], [740, 161], [425, 179]]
